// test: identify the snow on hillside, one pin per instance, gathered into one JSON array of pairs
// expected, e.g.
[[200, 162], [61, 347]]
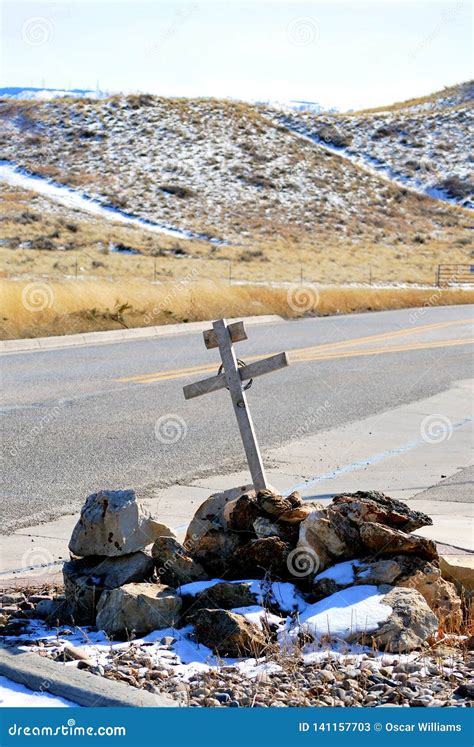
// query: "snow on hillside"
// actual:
[[428, 145], [46, 94], [236, 172]]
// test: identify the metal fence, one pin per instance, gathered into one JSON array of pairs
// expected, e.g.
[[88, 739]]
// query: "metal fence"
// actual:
[[448, 275]]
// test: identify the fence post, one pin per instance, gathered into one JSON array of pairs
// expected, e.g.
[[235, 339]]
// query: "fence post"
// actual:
[[154, 269], [301, 274], [438, 275], [76, 269], [230, 272]]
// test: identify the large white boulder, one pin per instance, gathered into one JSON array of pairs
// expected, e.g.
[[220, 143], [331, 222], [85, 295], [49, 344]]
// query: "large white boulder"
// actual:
[[112, 523], [138, 608]]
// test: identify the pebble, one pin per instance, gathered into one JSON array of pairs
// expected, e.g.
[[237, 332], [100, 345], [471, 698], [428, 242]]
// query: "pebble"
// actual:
[[222, 697], [12, 598], [408, 666], [431, 680], [327, 676]]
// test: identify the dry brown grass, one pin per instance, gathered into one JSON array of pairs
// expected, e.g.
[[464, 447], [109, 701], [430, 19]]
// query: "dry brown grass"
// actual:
[[432, 98], [39, 308]]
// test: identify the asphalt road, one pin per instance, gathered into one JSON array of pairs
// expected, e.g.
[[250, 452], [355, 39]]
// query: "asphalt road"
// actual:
[[113, 415]]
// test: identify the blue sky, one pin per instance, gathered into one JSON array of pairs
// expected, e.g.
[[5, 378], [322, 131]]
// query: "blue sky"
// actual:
[[343, 54]]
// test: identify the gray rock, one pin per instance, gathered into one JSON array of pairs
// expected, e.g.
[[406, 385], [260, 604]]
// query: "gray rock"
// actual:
[[409, 626], [377, 572], [53, 610], [225, 596], [87, 578], [113, 523], [173, 564], [228, 633], [138, 608]]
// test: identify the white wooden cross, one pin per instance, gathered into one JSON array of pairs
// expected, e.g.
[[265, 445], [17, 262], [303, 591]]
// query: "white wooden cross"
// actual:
[[222, 335]]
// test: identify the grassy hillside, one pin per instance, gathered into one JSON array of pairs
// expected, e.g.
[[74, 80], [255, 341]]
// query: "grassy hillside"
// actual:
[[284, 208]]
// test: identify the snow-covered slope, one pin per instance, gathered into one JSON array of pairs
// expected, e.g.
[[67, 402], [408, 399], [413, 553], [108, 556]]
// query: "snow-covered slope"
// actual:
[[426, 144], [236, 172]]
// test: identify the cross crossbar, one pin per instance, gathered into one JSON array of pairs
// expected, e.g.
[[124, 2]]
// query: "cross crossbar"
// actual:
[[251, 371]]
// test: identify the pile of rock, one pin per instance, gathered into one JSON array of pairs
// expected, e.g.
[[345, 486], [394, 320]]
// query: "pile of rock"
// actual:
[[359, 549], [108, 545]]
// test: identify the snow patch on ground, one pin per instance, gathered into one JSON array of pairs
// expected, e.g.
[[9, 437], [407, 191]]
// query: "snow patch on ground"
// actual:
[[342, 573], [14, 176], [258, 615], [375, 167], [283, 594], [13, 695], [358, 609], [196, 587]]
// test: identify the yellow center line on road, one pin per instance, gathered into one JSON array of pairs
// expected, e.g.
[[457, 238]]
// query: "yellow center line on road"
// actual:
[[383, 350], [304, 357], [205, 367]]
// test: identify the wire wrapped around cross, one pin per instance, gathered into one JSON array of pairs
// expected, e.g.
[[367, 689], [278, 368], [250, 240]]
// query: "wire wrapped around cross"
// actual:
[[240, 364]]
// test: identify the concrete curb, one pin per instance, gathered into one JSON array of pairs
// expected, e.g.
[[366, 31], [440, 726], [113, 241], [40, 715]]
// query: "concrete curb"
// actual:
[[43, 675], [119, 335]]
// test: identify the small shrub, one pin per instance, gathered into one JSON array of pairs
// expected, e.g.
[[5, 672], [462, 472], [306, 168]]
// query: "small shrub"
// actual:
[[139, 100], [456, 187], [177, 190], [249, 254], [332, 136], [27, 217], [385, 131]]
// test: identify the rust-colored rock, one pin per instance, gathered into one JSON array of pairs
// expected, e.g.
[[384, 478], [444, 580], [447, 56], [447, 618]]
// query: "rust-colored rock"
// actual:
[[228, 634], [441, 595], [243, 513], [387, 541], [174, 566], [214, 550], [376, 507], [291, 509], [261, 556]]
